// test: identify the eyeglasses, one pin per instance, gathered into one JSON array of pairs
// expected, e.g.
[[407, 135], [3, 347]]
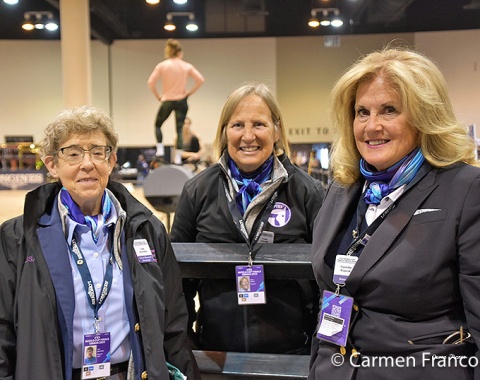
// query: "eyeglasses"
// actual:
[[75, 154]]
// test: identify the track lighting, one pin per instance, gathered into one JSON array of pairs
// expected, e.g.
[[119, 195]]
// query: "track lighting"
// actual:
[[39, 20], [326, 19], [190, 26]]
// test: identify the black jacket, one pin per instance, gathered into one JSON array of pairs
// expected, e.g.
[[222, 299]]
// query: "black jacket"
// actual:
[[416, 281], [35, 302], [286, 322]]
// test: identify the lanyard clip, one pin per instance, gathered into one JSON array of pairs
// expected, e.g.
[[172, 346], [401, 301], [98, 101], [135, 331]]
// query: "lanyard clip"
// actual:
[[337, 291], [96, 323], [250, 260]]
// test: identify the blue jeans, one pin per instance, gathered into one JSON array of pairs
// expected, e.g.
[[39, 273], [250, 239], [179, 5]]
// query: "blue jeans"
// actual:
[[181, 108]]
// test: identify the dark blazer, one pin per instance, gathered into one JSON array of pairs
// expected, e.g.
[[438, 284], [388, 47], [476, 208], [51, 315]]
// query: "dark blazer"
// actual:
[[416, 281]]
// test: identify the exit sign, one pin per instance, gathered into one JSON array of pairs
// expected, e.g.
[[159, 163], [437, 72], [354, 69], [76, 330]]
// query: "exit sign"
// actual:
[[331, 41]]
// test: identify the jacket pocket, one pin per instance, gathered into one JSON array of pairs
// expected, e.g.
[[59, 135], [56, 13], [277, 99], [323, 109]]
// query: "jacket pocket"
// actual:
[[429, 215], [446, 338]]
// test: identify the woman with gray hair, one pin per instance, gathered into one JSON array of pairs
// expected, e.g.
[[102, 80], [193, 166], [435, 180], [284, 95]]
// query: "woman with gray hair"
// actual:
[[87, 265], [253, 195]]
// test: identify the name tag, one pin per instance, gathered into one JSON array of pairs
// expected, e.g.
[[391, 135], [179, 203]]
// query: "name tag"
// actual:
[[144, 253], [266, 237], [344, 265]]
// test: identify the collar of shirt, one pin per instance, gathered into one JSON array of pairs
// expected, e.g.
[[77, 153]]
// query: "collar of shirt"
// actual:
[[373, 211], [70, 226]]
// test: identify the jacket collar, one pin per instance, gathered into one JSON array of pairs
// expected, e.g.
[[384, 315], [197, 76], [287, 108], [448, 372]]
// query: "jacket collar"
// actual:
[[337, 204]]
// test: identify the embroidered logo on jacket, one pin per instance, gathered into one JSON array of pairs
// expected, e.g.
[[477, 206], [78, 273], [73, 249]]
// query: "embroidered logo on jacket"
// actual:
[[280, 215]]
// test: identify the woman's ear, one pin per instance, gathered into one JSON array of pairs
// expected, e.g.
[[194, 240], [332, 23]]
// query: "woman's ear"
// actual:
[[51, 165], [112, 162], [277, 133]]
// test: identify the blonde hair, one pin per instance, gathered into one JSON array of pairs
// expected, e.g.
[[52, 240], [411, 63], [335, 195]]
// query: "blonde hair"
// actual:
[[423, 94], [80, 120], [172, 48], [263, 92]]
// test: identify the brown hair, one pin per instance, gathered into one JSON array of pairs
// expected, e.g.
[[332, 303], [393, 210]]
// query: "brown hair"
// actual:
[[172, 48]]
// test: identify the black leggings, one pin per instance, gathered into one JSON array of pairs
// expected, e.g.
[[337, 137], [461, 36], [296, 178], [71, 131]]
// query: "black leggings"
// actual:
[[181, 108]]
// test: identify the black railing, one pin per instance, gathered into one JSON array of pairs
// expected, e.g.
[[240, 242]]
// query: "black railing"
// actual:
[[218, 260]]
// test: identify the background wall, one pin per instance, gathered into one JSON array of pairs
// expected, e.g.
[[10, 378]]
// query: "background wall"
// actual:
[[299, 69]]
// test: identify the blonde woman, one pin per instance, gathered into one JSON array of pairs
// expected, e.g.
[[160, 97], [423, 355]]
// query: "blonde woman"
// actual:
[[398, 264]]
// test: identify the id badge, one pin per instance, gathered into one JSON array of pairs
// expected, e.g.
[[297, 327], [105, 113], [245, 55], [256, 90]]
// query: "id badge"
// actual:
[[143, 251], [250, 284], [96, 355], [335, 318], [266, 237], [343, 267]]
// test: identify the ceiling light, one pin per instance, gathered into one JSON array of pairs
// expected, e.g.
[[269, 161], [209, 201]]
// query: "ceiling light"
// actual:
[[313, 22], [336, 22], [39, 20], [153, 2], [179, 1], [170, 26], [28, 25], [51, 26], [191, 25], [11, 2], [326, 20]]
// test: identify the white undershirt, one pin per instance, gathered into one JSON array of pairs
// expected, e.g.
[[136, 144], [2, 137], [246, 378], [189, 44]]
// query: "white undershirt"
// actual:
[[374, 211]]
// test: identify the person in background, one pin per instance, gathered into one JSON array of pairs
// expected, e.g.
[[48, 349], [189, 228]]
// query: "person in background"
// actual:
[[88, 264], [396, 243], [192, 145], [173, 72], [143, 168], [254, 184]]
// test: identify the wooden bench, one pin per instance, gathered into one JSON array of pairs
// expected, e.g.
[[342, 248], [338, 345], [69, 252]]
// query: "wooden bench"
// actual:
[[218, 260]]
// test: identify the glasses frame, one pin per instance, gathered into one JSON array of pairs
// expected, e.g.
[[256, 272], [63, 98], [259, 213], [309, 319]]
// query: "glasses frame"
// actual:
[[108, 152]]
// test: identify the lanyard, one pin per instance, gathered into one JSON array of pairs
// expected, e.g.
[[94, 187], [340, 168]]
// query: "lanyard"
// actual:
[[88, 282], [360, 241], [363, 239], [240, 223]]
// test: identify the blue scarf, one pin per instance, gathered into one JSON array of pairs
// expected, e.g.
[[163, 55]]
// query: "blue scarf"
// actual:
[[383, 183], [249, 183], [96, 222]]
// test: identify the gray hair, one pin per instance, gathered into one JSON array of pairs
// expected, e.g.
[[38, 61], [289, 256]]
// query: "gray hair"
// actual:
[[81, 120]]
